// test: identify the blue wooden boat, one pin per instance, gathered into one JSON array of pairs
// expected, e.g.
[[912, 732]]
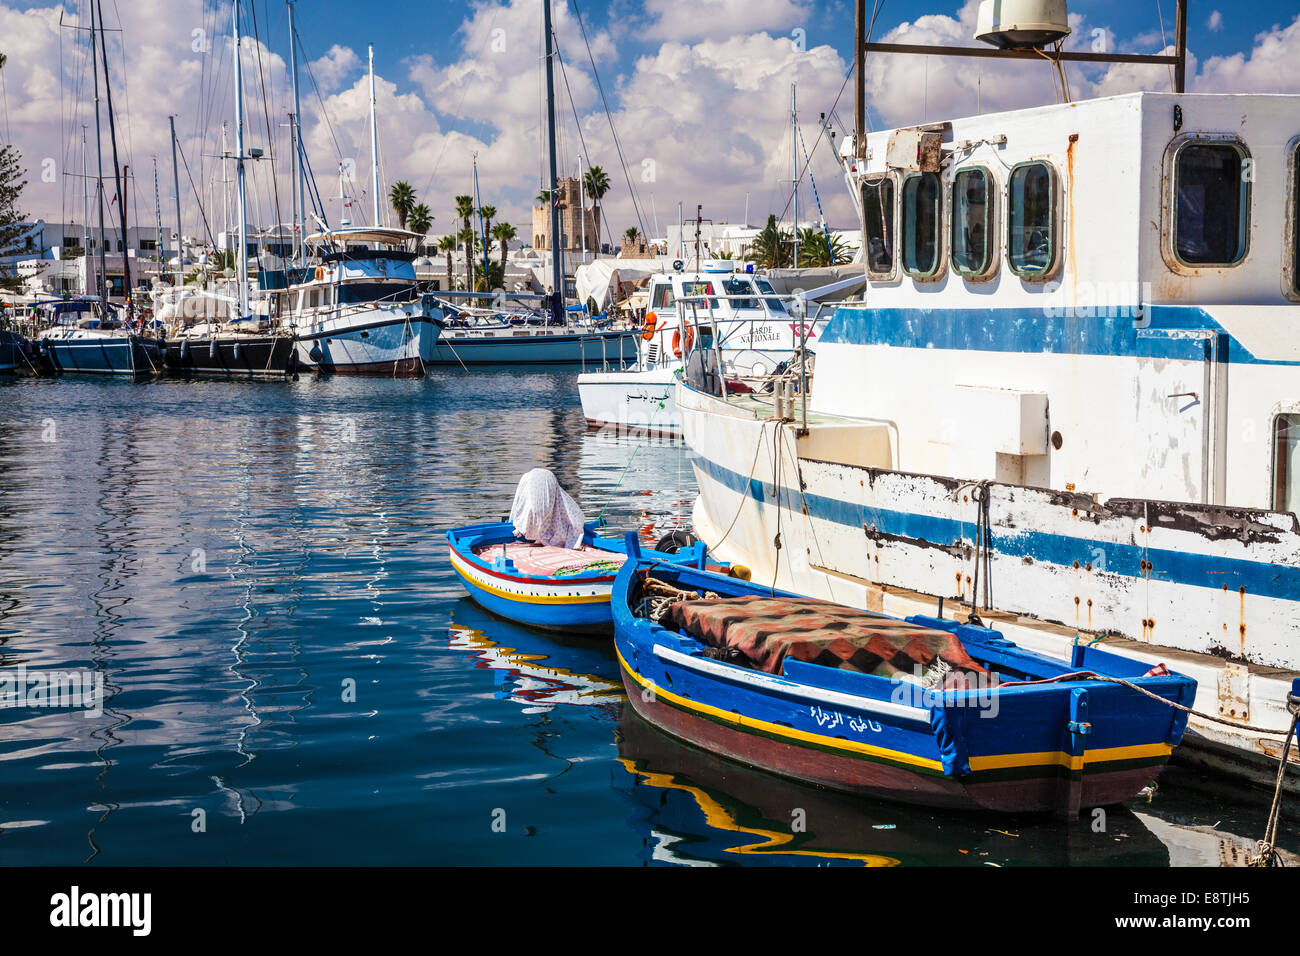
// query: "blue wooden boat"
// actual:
[[558, 589], [1040, 736]]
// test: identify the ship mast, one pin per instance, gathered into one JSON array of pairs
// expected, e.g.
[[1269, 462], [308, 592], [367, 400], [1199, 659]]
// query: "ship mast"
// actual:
[[374, 140], [102, 282], [295, 129], [241, 255], [557, 250]]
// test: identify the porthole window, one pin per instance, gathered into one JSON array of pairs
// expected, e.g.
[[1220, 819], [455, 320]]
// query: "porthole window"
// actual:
[[1211, 204], [921, 217], [878, 226], [972, 223], [1031, 220], [1286, 463]]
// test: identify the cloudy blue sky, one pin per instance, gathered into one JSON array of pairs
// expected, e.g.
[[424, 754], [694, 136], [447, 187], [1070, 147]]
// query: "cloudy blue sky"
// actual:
[[698, 91]]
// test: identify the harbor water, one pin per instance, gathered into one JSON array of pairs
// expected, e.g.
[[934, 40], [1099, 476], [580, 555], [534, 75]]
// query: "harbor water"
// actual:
[[292, 673]]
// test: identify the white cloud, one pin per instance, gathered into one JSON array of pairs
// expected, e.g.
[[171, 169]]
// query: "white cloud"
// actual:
[[1215, 23], [335, 66], [705, 110], [723, 19]]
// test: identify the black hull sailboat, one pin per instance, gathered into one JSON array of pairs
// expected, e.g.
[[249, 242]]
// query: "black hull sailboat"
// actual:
[[232, 356]]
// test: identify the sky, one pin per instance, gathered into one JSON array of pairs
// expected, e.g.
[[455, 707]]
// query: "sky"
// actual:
[[688, 100]]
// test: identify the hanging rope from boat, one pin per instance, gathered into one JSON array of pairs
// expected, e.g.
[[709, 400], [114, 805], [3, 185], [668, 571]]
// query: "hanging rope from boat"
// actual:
[[983, 546], [1265, 851]]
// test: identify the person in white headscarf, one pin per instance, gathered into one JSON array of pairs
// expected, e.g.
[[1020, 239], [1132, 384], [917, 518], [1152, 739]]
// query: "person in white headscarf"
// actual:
[[543, 513]]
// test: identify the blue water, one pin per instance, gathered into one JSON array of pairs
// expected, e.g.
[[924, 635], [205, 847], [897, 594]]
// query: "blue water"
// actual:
[[234, 559]]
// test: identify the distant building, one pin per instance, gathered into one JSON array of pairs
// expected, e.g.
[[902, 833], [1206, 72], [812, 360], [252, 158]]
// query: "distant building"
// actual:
[[573, 212]]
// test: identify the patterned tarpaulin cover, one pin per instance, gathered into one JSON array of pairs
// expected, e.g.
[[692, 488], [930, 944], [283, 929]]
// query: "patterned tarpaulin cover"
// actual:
[[544, 513], [765, 631], [538, 560]]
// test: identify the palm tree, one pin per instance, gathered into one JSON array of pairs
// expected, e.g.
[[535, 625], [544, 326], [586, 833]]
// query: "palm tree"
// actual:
[[770, 246], [488, 213], [465, 210], [469, 242], [419, 219], [448, 244], [503, 233], [402, 199], [596, 184], [818, 249], [544, 197]]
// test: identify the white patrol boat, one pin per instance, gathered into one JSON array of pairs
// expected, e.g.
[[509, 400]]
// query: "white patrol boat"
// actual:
[[755, 334]]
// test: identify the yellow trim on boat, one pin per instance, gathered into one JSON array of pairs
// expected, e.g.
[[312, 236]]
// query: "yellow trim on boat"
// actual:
[[1073, 762], [530, 598], [994, 762], [780, 730]]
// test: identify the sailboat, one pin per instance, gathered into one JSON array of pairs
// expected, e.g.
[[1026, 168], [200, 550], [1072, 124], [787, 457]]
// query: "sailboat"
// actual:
[[88, 336], [358, 309], [228, 341]]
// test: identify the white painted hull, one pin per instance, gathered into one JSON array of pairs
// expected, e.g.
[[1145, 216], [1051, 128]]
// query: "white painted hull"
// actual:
[[1061, 564], [381, 341], [631, 401]]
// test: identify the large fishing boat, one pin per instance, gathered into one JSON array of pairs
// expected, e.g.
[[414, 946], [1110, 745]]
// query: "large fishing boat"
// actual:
[[1069, 398]]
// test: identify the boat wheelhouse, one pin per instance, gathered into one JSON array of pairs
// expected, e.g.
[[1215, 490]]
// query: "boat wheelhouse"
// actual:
[[755, 334], [1070, 396], [358, 309]]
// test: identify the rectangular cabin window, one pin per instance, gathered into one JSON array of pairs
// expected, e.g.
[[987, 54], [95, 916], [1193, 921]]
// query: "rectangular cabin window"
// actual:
[[972, 226], [921, 215], [1211, 200], [1295, 221], [878, 225], [663, 297], [1031, 220], [1286, 464]]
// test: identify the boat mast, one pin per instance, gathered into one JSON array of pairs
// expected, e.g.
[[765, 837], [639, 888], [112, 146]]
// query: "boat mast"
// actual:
[[102, 281], [794, 170], [300, 206], [482, 226], [176, 184], [374, 140], [119, 177], [157, 216], [241, 256], [85, 213], [557, 250]]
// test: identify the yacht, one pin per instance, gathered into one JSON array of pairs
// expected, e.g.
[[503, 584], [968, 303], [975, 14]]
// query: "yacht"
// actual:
[[358, 310]]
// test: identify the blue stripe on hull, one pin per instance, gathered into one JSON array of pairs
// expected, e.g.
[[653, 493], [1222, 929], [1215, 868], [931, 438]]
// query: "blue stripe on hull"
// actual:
[[534, 350], [1039, 330], [1176, 567]]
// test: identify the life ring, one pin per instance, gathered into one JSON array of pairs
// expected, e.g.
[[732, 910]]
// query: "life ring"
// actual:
[[320, 273], [683, 343], [651, 323]]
